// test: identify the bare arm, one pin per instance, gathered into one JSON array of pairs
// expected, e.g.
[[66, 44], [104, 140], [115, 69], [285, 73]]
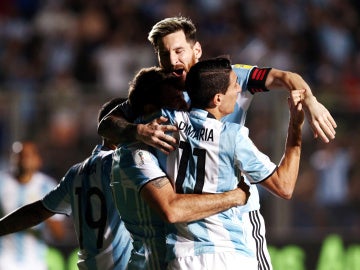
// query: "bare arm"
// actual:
[[282, 182], [24, 217], [56, 227], [320, 119], [174, 208], [117, 129]]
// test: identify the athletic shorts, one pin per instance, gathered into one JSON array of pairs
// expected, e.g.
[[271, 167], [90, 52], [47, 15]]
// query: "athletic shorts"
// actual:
[[214, 261], [254, 236], [254, 230]]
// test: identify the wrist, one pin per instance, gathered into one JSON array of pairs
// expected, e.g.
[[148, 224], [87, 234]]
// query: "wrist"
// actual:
[[309, 99], [137, 131], [294, 134], [295, 125]]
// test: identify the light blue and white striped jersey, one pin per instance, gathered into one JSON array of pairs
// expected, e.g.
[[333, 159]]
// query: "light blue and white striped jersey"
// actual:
[[149, 169], [244, 98], [24, 249], [133, 167], [85, 193], [208, 159], [238, 116]]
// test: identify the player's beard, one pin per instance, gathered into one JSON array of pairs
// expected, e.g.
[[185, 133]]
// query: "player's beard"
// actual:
[[186, 69], [192, 62]]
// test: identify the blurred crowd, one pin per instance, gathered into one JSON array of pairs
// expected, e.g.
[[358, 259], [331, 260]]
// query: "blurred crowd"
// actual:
[[61, 59]]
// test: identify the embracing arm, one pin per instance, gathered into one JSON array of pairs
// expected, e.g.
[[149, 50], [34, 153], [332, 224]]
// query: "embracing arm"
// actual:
[[282, 181], [174, 208], [24, 217], [117, 129], [320, 119]]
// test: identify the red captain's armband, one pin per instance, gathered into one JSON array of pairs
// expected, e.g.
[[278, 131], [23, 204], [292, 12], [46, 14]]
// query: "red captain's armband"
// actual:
[[257, 78]]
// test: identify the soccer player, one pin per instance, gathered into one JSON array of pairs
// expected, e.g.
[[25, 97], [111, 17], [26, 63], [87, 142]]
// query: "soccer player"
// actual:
[[85, 194], [144, 195], [208, 159], [177, 49], [25, 183]]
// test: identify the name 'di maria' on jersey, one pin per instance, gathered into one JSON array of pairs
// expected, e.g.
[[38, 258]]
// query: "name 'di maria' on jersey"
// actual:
[[202, 134]]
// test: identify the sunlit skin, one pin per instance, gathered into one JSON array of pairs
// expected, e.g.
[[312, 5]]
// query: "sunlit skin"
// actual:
[[176, 55], [226, 102], [229, 98]]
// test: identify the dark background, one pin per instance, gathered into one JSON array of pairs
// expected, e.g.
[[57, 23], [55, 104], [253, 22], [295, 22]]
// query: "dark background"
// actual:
[[60, 60]]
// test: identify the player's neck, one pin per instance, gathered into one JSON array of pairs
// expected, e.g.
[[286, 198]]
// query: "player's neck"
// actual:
[[215, 112]]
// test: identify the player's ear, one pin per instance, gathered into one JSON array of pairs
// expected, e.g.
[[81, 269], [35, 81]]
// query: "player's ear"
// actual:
[[197, 50], [217, 99]]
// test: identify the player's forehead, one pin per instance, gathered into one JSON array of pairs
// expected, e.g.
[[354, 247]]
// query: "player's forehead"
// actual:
[[173, 41], [233, 77]]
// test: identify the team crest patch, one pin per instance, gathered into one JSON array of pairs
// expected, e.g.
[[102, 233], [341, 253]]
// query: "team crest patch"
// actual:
[[141, 157]]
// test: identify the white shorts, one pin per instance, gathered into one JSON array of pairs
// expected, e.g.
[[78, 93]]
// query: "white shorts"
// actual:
[[254, 230], [214, 261]]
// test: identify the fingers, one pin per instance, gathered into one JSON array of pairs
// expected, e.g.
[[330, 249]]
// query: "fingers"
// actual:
[[161, 120], [164, 148], [331, 122], [159, 135], [168, 128], [319, 133], [324, 129], [331, 125], [158, 124], [322, 123], [165, 143], [295, 104]]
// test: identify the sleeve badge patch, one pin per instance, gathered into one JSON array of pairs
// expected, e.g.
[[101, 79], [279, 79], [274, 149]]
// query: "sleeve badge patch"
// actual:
[[141, 157]]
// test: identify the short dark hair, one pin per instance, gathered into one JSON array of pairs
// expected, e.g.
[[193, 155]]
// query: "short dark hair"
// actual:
[[150, 86], [207, 78], [171, 25], [107, 107]]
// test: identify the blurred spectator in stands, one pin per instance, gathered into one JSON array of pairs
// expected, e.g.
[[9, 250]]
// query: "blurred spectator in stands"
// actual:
[[331, 163], [24, 183]]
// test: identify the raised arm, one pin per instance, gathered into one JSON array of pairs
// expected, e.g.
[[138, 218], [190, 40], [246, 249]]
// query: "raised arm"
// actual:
[[322, 123], [24, 217], [174, 208], [282, 181], [116, 128]]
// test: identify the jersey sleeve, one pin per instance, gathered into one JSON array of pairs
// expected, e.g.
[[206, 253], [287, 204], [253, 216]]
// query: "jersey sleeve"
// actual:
[[257, 79], [254, 164], [244, 99], [135, 165], [243, 74], [58, 200], [251, 78]]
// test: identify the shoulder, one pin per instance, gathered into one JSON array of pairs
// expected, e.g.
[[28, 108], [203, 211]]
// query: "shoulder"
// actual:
[[236, 133], [243, 67], [72, 172], [242, 71]]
